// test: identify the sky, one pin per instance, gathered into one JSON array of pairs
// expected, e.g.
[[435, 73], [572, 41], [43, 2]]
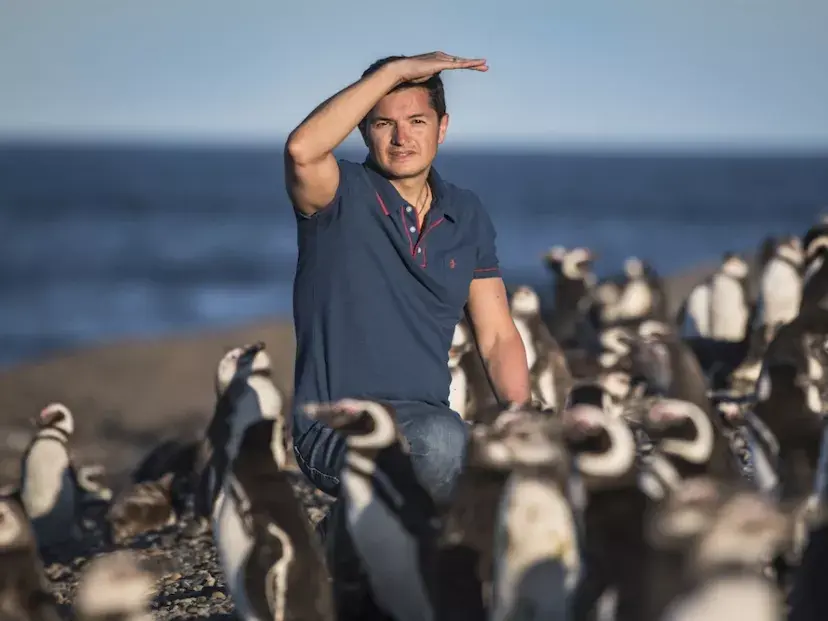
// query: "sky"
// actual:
[[744, 73]]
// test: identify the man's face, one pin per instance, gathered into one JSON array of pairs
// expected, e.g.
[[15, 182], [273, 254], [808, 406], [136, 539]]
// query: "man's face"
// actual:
[[402, 133]]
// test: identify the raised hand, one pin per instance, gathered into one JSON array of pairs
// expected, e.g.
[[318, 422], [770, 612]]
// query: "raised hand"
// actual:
[[421, 67]]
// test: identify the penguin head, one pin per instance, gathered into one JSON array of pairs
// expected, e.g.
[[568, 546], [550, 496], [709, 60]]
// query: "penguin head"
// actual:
[[554, 258], [577, 264], [616, 383], [652, 330], [685, 514], [525, 302], [790, 249], [368, 425], [15, 529], [815, 241], [634, 268], [665, 413], [115, 585], [734, 265], [747, 530], [460, 343], [56, 416], [240, 363], [518, 438], [617, 339]]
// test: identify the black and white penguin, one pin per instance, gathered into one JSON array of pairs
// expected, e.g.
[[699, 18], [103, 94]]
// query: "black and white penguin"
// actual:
[[391, 520], [272, 560], [815, 268], [48, 484], [548, 370], [574, 280], [461, 395], [694, 315], [24, 589], [115, 587], [642, 294], [726, 565], [730, 307], [669, 365], [465, 560], [537, 557], [780, 288], [615, 344], [244, 394], [789, 398], [141, 508]]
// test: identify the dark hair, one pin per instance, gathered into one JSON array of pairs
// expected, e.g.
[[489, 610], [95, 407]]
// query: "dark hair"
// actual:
[[434, 86]]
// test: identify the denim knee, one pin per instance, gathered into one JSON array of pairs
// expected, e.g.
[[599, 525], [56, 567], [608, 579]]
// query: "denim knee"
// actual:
[[438, 446], [320, 455]]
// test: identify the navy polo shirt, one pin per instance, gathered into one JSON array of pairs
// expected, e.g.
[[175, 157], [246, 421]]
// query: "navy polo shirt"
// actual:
[[376, 297]]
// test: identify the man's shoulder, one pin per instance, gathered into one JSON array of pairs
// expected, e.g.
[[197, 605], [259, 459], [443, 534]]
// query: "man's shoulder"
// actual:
[[462, 198]]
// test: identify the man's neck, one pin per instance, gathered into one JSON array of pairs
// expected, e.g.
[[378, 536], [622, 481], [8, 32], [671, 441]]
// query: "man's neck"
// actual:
[[413, 189]]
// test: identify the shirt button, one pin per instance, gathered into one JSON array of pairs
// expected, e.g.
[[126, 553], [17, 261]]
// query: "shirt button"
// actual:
[[408, 209], [413, 229], [419, 250]]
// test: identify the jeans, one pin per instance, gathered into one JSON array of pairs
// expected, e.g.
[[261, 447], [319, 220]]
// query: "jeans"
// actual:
[[437, 439]]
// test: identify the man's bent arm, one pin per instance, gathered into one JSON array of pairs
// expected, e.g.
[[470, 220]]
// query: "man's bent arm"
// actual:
[[499, 341], [311, 170]]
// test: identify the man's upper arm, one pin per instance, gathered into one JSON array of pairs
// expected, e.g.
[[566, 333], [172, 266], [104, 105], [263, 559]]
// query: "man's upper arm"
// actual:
[[312, 186], [487, 265]]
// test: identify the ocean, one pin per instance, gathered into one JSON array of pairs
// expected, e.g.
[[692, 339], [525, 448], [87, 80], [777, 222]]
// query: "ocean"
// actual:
[[101, 243]]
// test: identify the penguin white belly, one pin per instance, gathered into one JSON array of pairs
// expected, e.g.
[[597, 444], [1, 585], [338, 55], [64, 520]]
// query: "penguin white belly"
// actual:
[[781, 293], [459, 391], [748, 597], [233, 545], [546, 393], [389, 553], [528, 341], [728, 309], [537, 558], [636, 300], [697, 315], [48, 490]]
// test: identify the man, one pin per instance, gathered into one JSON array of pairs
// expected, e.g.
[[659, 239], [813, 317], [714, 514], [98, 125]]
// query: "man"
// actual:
[[389, 254]]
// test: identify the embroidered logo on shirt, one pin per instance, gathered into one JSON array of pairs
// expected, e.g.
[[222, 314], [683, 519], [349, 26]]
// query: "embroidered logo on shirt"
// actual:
[[452, 263]]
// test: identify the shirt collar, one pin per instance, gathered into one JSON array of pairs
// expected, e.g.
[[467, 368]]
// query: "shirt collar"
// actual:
[[391, 201]]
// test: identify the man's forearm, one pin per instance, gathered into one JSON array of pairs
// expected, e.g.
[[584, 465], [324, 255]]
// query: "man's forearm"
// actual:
[[506, 362], [331, 122]]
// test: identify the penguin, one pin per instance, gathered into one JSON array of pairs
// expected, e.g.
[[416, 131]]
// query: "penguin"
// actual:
[[244, 394], [391, 520], [537, 556], [815, 270], [461, 397], [273, 561], [141, 508], [48, 483], [726, 565], [574, 280], [465, 553], [789, 398], [780, 293], [24, 589], [616, 346], [638, 299], [694, 315], [668, 363], [115, 587], [548, 370], [729, 300]]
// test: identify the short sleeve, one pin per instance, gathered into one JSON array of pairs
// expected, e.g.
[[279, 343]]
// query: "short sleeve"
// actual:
[[347, 173], [488, 265]]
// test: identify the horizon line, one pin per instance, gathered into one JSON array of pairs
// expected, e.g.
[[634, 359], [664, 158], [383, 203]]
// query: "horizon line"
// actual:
[[516, 146]]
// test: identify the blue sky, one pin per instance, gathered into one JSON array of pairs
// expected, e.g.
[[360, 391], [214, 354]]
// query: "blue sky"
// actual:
[[675, 72]]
